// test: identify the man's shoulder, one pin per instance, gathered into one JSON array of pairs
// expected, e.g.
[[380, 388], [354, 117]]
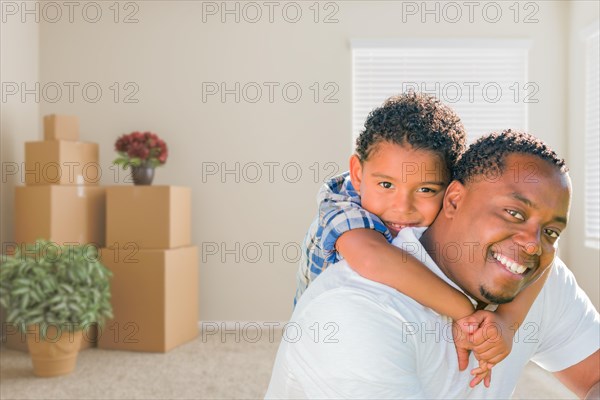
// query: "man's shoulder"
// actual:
[[338, 278], [340, 290], [560, 278], [562, 292]]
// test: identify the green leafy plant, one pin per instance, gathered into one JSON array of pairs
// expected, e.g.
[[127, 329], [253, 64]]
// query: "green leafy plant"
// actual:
[[48, 284]]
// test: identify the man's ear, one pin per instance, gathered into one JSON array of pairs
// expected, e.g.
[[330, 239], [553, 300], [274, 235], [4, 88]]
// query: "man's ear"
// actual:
[[355, 172], [453, 198]]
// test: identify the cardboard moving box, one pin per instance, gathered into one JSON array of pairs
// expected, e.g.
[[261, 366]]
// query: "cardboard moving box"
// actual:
[[60, 213], [61, 127], [148, 217], [154, 299], [61, 162]]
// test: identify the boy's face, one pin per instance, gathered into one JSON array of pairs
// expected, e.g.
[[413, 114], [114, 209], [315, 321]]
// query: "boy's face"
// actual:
[[401, 185]]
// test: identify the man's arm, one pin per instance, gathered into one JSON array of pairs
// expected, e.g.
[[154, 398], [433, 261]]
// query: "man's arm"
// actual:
[[583, 377], [569, 332], [594, 393]]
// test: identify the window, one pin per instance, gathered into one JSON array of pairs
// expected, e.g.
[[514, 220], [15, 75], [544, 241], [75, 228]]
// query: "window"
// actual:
[[485, 81], [592, 141]]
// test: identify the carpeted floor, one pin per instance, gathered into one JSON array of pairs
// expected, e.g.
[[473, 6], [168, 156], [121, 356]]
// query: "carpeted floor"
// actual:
[[207, 368]]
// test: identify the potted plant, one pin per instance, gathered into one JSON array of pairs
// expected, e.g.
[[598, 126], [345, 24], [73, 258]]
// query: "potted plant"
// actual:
[[54, 293], [143, 152]]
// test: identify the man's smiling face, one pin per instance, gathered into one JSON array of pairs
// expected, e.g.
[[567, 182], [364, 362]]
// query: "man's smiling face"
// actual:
[[506, 228]]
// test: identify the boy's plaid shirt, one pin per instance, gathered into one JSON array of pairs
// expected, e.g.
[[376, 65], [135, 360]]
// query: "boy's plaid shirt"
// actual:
[[340, 210]]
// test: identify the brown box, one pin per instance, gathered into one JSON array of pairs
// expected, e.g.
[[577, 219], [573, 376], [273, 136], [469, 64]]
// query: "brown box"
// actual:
[[61, 127], [60, 213], [148, 217], [154, 299], [61, 162]]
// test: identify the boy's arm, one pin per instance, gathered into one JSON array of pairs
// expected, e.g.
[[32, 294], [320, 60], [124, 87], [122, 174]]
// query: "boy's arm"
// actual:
[[370, 255], [505, 322], [492, 341]]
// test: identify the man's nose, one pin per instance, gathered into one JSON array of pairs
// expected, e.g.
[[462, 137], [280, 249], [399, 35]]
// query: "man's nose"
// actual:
[[529, 238]]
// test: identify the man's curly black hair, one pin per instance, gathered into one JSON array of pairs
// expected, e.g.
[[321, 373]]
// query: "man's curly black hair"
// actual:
[[486, 156], [418, 119]]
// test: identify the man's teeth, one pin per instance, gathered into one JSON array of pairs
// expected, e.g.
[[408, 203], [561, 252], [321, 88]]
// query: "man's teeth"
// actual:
[[511, 265]]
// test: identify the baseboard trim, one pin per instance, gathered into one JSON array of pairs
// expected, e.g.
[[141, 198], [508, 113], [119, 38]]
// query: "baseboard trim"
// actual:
[[211, 326]]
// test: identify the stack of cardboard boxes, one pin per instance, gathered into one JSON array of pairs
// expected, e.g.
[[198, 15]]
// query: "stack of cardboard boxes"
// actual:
[[61, 200], [155, 269], [143, 233]]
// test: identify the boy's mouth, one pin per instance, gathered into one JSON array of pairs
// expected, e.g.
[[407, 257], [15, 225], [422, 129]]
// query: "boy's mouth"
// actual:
[[397, 227]]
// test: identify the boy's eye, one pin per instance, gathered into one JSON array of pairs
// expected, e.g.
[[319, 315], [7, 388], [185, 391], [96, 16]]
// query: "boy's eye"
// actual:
[[516, 214], [426, 190], [552, 233], [386, 185]]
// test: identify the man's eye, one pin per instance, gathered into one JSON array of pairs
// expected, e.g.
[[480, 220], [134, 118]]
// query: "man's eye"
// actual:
[[552, 233], [516, 214], [386, 185]]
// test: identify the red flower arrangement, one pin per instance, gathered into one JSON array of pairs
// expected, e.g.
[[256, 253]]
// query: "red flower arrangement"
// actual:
[[139, 148]]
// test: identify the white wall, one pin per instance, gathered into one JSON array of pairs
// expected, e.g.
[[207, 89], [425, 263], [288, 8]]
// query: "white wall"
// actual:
[[584, 261], [171, 51]]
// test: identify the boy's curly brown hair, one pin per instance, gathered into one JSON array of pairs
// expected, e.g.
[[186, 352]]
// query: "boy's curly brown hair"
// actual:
[[418, 119]]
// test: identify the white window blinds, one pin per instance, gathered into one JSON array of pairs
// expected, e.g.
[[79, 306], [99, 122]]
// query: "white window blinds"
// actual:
[[484, 81], [592, 142]]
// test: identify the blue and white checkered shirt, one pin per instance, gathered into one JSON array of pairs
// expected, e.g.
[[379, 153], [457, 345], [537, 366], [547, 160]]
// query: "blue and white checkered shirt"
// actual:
[[340, 210]]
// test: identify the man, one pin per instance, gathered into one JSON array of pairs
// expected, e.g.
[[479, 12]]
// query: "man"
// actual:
[[496, 234]]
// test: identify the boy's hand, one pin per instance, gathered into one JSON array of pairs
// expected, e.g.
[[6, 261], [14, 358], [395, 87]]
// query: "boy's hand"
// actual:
[[482, 373], [492, 342], [488, 336], [462, 332]]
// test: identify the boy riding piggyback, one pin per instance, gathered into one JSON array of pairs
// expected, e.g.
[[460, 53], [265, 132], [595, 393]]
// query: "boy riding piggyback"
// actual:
[[398, 176]]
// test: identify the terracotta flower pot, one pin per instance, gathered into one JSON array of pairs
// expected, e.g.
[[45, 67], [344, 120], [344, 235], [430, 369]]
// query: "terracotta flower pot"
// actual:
[[56, 354]]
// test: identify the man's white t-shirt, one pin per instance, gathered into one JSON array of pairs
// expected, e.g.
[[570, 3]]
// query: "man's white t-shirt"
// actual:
[[350, 337]]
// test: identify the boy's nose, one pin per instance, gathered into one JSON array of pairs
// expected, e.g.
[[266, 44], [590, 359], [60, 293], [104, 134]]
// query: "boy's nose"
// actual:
[[403, 203]]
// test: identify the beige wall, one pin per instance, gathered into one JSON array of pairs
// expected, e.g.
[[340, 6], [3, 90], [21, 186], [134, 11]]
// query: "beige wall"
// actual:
[[170, 52], [19, 120], [584, 261]]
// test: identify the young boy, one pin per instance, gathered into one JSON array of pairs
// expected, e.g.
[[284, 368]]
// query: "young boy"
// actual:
[[403, 163]]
